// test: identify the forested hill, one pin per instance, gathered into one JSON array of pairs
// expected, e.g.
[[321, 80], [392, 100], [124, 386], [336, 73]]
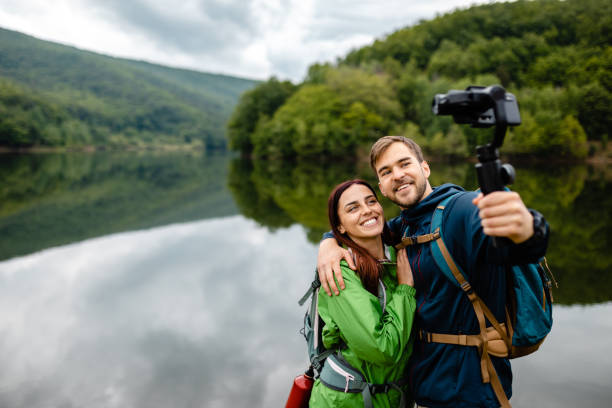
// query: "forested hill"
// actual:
[[55, 95], [555, 56]]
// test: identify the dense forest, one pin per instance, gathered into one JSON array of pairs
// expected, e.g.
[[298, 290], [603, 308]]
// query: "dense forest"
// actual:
[[555, 56], [55, 95]]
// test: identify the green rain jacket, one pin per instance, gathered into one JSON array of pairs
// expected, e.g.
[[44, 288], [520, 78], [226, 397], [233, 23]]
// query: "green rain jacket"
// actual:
[[378, 344]]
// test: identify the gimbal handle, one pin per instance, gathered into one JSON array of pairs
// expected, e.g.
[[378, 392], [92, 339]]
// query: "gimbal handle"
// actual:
[[492, 175]]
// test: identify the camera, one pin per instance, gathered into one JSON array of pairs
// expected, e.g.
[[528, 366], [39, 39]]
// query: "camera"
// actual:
[[479, 106], [483, 107]]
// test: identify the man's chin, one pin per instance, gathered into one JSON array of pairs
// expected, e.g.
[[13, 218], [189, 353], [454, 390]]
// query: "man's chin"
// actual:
[[405, 202]]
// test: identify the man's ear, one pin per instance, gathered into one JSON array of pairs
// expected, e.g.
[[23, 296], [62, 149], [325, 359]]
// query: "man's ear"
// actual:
[[426, 169], [381, 189]]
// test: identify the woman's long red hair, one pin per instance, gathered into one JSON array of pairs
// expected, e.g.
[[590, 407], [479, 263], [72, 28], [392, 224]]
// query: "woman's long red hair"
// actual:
[[368, 267]]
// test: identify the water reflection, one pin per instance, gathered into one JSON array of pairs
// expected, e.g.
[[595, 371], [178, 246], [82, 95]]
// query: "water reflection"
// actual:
[[174, 316], [56, 199], [571, 369], [574, 199], [198, 307], [184, 316]]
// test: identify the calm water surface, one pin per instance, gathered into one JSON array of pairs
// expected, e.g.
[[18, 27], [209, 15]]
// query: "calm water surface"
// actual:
[[157, 280]]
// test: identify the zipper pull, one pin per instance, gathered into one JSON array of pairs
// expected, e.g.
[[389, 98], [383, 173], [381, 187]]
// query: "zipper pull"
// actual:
[[348, 378]]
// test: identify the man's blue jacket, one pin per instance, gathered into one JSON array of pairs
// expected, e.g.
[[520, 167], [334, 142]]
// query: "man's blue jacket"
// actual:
[[445, 375]]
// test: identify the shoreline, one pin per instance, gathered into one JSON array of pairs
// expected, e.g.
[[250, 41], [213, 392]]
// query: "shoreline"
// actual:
[[97, 149], [600, 157]]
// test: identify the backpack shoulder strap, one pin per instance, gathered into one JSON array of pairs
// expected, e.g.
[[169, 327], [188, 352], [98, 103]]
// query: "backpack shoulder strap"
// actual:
[[445, 262], [316, 283], [455, 274], [440, 252]]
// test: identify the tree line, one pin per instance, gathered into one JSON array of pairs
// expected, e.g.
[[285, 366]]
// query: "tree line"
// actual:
[[59, 96], [555, 56]]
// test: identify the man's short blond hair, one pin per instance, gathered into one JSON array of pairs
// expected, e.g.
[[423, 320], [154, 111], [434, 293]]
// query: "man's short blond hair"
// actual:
[[384, 142]]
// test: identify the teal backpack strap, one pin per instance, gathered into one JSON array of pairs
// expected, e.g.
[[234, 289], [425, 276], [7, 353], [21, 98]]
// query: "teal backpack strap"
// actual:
[[455, 274], [316, 283], [440, 253]]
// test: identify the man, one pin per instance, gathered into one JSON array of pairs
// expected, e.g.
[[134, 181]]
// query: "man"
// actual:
[[448, 375]]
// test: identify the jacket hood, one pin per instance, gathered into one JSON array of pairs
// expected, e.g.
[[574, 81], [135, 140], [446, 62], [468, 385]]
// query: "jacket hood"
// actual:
[[428, 204]]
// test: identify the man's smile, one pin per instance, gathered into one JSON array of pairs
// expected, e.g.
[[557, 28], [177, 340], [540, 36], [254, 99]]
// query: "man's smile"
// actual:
[[403, 186]]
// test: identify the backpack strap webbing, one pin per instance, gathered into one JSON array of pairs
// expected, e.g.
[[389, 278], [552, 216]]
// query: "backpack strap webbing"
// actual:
[[316, 283], [479, 306], [417, 239], [489, 375]]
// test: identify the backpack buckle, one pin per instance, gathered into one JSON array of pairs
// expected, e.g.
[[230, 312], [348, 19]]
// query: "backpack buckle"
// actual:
[[425, 336], [379, 388], [467, 288]]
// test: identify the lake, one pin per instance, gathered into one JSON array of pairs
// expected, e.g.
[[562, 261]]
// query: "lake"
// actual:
[[171, 279]]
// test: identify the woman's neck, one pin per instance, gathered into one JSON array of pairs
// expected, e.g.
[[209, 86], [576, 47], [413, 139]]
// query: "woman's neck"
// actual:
[[373, 245]]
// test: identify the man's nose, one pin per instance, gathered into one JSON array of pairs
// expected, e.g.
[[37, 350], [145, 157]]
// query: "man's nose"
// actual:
[[397, 172]]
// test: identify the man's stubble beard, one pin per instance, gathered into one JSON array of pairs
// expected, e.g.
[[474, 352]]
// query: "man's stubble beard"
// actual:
[[421, 186]]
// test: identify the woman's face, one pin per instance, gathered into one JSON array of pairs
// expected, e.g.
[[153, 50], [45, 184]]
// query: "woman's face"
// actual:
[[360, 213]]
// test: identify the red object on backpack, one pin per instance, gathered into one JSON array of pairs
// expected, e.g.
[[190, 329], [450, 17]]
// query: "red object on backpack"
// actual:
[[300, 392]]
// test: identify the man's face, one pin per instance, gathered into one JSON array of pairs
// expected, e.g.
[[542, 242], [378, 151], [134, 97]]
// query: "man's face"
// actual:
[[401, 177]]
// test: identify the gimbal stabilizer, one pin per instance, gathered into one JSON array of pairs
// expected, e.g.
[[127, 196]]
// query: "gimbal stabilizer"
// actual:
[[484, 107]]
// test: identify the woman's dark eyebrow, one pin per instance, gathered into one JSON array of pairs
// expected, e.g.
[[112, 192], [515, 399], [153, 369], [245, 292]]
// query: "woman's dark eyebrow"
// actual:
[[357, 202], [351, 203]]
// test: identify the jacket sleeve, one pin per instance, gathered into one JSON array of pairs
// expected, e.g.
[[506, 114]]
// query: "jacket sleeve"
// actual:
[[327, 235], [475, 247], [373, 336]]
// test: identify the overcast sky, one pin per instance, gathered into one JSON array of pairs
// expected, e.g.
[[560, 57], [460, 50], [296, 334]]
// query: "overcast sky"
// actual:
[[246, 38]]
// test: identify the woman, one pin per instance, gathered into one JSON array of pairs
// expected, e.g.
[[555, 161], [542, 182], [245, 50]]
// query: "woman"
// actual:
[[374, 342]]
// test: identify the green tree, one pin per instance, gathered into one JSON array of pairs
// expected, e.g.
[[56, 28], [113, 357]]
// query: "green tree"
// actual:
[[261, 101], [595, 112]]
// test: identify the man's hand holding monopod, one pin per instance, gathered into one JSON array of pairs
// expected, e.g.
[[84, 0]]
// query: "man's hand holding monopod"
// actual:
[[503, 214]]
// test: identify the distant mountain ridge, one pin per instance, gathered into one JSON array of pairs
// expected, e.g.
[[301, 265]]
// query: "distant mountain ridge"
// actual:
[[57, 95]]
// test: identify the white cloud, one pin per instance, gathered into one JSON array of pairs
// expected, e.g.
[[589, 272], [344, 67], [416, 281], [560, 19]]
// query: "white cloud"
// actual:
[[250, 38]]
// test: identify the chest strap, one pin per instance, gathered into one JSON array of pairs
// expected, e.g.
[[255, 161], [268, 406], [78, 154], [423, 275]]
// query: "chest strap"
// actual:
[[417, 239]]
